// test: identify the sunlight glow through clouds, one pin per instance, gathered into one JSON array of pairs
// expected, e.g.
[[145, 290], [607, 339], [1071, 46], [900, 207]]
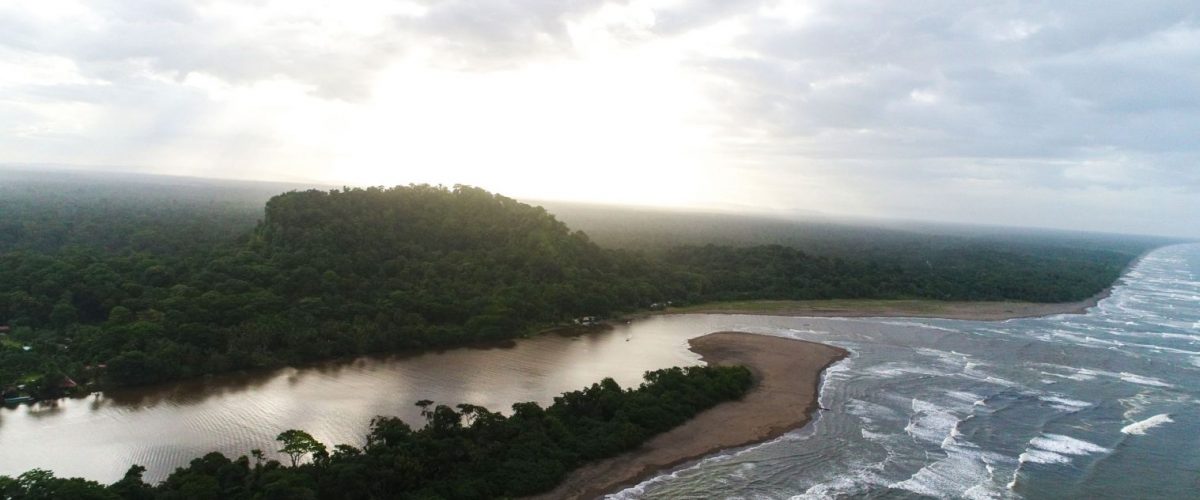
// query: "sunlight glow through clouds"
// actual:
[[616, 124], [945, 110]]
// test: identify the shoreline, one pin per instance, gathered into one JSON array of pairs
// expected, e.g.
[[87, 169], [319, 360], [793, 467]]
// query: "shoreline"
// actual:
[[896, 308], [971, 310], [903, 308], [787, 374]]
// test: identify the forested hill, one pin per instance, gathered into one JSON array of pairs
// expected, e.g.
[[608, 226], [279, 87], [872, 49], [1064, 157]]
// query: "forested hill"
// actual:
[[192, 286], [373, 230], [437, 263]]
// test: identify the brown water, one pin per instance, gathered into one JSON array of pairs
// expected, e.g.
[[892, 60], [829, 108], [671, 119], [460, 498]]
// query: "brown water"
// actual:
[[100, 436]]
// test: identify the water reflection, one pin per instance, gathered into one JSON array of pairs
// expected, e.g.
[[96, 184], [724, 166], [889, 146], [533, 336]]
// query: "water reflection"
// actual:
[[162, 427]]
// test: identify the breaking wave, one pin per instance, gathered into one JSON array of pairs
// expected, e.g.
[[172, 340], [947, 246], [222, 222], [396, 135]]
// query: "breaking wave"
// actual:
[[1140, 428]]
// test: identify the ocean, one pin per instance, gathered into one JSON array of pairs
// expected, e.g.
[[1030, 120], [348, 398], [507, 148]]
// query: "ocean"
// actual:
[[1100, 405]]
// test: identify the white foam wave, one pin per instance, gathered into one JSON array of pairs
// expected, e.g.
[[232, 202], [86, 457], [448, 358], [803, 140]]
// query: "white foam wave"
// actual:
[[1143, 380], [930, 422], [1140, 428], [1054, 449], [873, 436], [918, 324], [842, 486], [1065, 404], [1160, 335], [798, 333], [1085, 339], [890, 370], [1000, 381], [871, 412], [966, 472], [1079, 374], [1083, 374], [1066, 445], [835, 372], [638, 490], [1043, 457]]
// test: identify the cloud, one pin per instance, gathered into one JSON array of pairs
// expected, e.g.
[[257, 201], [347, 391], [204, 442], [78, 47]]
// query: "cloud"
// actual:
[[946, 80], [125, 40], [872, 106]]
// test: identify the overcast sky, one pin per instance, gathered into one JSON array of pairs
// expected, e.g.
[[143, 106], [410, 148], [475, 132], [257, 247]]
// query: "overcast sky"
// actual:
[[1078, 114]]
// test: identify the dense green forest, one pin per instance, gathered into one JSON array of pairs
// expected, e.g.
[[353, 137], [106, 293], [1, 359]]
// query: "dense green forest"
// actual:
[[142, 279], [470, 452]]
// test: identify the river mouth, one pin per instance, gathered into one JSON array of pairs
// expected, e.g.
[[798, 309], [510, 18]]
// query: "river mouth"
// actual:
[[1095, 405]]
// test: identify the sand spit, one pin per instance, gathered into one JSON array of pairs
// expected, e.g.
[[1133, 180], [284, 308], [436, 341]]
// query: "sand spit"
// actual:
[[787, 373]]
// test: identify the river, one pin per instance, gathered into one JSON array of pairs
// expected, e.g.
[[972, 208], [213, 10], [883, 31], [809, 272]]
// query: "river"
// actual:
[[1101, 405]]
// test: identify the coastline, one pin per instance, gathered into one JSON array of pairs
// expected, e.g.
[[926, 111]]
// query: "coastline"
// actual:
[[869, 308], [902, 308], [787, 381]]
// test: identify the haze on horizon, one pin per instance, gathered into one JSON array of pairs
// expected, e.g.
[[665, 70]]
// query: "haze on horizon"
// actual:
[[1078, 115]]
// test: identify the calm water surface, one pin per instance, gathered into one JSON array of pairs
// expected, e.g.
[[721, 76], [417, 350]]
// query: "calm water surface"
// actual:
[[99, 436], [1102, 405]]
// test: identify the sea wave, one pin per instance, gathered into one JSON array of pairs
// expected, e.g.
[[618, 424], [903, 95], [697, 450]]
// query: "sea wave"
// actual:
[[1065, 404], [1143, 380], [1140, 428], [1068, 445], [1043, 457], [930, 422]]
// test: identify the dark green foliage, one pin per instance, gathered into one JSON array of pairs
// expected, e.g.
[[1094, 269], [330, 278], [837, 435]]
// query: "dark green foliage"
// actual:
[[465, 453], [325, 274], [39, 484], [297, 444], [162, 282], [977, 272]]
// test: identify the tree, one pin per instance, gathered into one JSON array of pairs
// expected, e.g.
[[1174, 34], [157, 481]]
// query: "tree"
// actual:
[[63, 314], [120, 315], [297, 444], [132, 486], [133, 368]]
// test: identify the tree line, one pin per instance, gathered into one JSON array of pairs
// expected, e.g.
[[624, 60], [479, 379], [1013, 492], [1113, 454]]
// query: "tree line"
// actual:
[[461, 452]]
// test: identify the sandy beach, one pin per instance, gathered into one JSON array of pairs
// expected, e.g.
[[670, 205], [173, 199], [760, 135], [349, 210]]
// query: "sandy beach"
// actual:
[[788, 374], [868, 308]]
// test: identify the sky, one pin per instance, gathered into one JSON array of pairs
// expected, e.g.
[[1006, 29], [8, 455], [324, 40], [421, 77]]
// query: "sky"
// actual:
[[1072, 114]]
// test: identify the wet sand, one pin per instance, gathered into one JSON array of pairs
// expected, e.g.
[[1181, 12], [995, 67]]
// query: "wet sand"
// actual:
[[788, 375]]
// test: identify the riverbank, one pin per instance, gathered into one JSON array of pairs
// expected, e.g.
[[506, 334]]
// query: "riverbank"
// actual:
[[788, 375]]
